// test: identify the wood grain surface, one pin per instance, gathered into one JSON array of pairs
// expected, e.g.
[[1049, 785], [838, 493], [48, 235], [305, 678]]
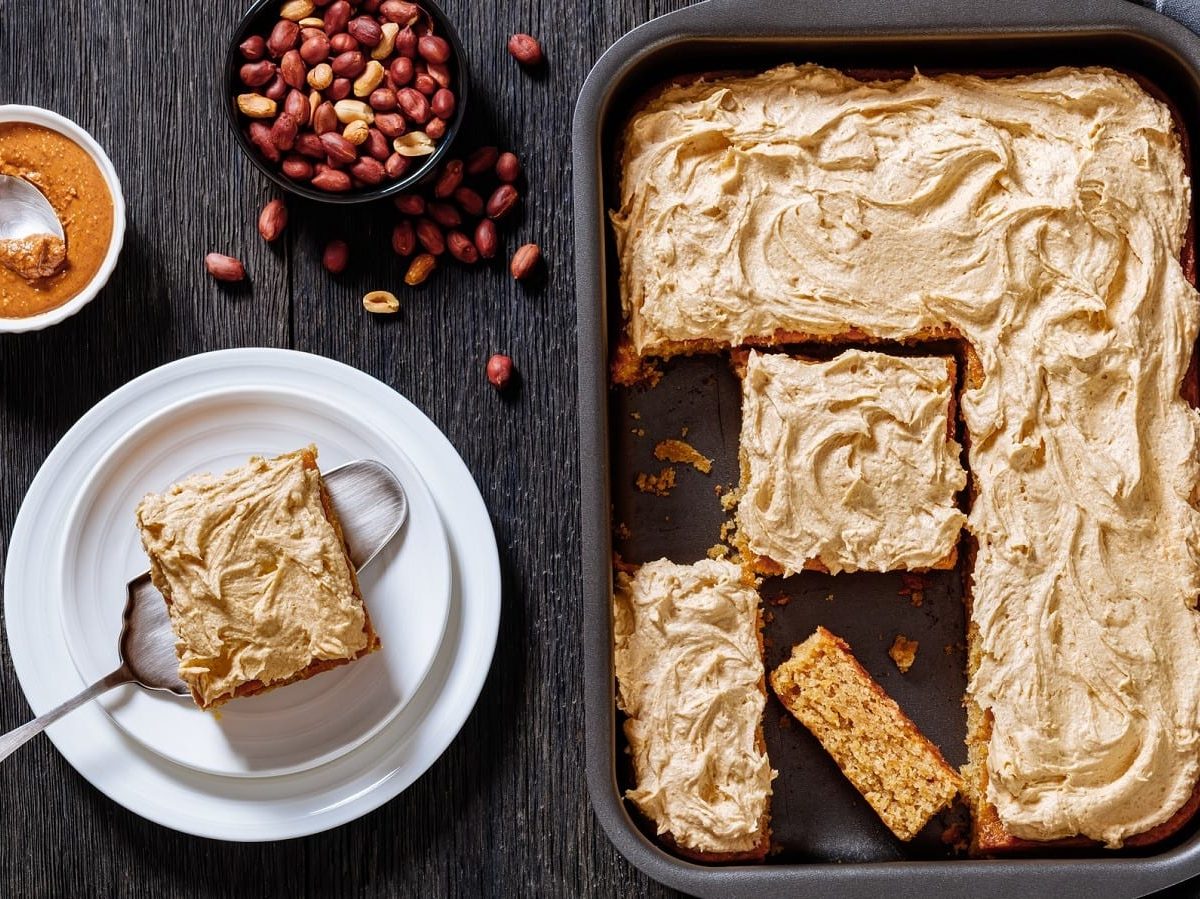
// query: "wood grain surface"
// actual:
[[505, 811]]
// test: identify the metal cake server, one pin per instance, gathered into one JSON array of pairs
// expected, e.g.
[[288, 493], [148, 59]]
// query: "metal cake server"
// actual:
[[371, 505], [25, 211]]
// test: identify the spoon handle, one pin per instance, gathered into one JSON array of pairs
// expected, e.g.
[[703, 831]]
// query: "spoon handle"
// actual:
[[11, 741]]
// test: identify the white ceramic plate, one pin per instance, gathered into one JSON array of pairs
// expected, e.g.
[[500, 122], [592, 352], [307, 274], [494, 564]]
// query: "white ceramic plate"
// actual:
[[406, 589], [217, 805]]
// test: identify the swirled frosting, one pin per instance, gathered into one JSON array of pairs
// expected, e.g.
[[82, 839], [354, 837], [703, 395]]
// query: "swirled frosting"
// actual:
[[689, 676], [1042, 217], [849, 461], [257, 577]]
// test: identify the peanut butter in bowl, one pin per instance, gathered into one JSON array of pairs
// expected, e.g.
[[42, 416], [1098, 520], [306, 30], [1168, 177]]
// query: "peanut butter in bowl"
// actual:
[[41, 272]]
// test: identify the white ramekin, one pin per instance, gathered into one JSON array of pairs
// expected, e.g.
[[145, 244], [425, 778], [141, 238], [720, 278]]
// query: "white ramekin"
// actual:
[[52, 120]]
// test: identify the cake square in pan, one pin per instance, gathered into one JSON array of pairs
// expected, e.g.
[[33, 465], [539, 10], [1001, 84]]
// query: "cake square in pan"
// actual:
[[849, 464], [256, 576]]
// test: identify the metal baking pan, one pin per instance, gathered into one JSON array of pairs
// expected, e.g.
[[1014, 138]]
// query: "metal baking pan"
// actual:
[[830, 843]]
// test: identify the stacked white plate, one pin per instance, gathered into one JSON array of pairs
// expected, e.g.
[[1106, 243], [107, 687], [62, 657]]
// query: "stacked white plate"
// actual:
[[297, 760]]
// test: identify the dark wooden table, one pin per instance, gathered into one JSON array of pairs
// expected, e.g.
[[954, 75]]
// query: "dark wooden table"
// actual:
[[504, 812]]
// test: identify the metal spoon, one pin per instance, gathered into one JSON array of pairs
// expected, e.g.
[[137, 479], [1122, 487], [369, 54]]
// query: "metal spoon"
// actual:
[[371, 506], [25, 211]]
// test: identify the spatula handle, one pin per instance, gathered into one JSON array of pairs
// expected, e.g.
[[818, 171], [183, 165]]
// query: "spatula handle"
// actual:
[[11, 741]]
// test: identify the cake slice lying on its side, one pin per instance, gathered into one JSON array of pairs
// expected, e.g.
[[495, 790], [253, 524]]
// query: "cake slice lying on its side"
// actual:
[[688, 658], [256, 575], [848, 464], [892, 764]]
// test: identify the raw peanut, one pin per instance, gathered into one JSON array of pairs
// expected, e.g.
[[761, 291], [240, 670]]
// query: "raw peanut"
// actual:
[[368, 170], [353, 111], [315, 50], [338, 149], [295, 10], [308, 33], [366, 31], [335, 256], [377, 145], [445, 215], [501, 202], [256, 74], [224, 268], [439, 72], [282, 38], [276, 89], [461, 248], [413, 104], [401, 71], [410, 204], [396, 166], [435, 128], [420, 270], [470, 201], [272, 220], [312, 23], [433, 48], [382, 99], [336, 17], [381, 302], [331, 180], [292, 68], [399, 12], [390, 123], [297, 168], [321, 76], [349, 64], [339, 90], [256, 106], [482, 160], [297, 106], [370, 79], [325, 118], [260, 135], [486, 238], [508, 167], [310, 145], [342, 43], [413, 143], [283, 131], [430, 236], [442, 103], [525, 49], [404, 239], [357, 132], [450, 179], [499, 371], [253, 48], [387, 42], [406, 43], [525, 261], [424, 82]]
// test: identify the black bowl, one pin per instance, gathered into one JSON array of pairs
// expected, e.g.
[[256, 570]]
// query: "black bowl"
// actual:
[[259, 19]]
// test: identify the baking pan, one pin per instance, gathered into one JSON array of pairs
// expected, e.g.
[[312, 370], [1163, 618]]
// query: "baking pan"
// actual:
[[831, 843]]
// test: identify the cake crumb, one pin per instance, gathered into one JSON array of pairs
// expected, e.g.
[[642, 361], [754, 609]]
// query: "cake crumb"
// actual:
[[913, 586], [636, 416], [683, 431], [768, 617], [781, 600], [659, 484], [829, 598], [903, 652], [638, 432], [678, 451], [729, 499], [718, 551]]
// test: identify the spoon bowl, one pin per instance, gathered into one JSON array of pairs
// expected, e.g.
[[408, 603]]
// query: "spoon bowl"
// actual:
[[25, 211]]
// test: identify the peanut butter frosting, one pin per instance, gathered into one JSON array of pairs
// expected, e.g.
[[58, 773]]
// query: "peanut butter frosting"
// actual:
[[849, 462], [257, 578], [690, 678], [1042, 218]]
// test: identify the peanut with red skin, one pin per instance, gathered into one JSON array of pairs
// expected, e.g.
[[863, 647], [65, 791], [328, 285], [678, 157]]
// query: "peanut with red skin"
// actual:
[[410, 204], [391, 124], [225, 268], [433, 48], [461, 248], [525, 261], [260, 135], [442, 103], [309, 144], [449, 180], [254, 47], [293, 70], [315, 50], [276, 89], [272, 220], [382, 99], [424, 82], [469, 201], [349, 64], [413, 104], [439, 72], [256, 74], [366, 31], [508, 167], [482, 160], [377, 146], [332, 180], [399, 12], [401, 71], [501, 202], [486, 238], [325, 119], [430, 236], [499, 371], [282, 38], [420, 269], [339, 150], [340, 89], [368, 170], [283, 131], [336, 17], [444, 214], [296, 105], [396, 166], [525, 49], [342, 43], [335, 257], [435, 129], [406, 43], [297, 168], [404, 239]]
